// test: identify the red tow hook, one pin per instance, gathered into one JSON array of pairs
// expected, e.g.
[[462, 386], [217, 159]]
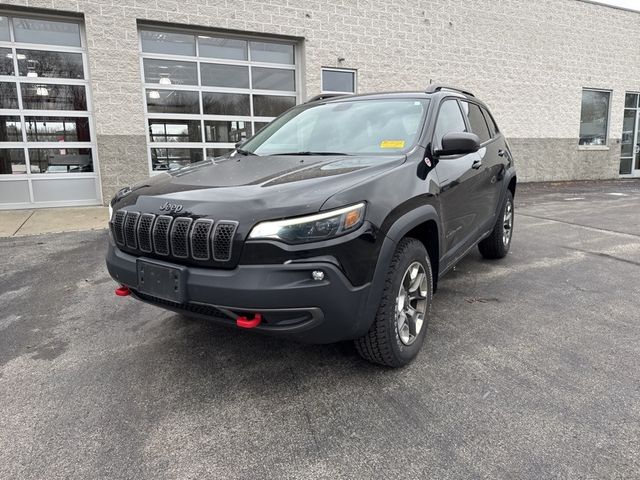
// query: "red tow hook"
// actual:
[[244, 322], [123, 291]]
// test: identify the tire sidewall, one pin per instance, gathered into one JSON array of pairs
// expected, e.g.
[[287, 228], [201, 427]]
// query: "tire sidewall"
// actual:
[[415, 253]]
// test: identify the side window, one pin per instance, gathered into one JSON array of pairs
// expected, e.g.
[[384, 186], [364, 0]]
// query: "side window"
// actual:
[[476, 121], [493, 128], [449, 120]]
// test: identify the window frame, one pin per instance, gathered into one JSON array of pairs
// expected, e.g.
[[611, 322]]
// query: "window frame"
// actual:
[[22, 113], [203, 145], [343, 70], [606, 145]]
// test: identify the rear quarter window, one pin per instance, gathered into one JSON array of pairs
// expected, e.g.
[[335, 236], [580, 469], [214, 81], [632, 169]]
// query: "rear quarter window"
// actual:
[[493, 128]]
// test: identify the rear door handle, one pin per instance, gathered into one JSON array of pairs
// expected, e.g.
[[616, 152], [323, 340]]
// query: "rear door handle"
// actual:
[[476, 164]]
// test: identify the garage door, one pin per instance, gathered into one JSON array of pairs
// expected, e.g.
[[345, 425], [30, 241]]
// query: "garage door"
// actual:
[[205, 92], [47, 149]]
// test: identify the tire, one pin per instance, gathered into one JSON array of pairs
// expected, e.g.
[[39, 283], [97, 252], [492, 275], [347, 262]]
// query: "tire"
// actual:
[[498, 243], [386, 343]]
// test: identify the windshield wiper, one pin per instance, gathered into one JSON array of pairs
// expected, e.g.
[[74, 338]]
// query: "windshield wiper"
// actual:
[[246, 153], [308, 153]]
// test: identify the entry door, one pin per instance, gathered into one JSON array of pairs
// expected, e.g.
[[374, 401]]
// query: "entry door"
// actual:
[[630, 150]]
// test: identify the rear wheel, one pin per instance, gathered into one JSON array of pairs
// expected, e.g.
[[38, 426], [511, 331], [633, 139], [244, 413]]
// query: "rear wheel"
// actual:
[[398, 331], [497, 244]]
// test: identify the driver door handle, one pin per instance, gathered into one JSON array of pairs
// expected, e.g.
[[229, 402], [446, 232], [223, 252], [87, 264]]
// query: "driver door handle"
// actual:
[[501, 153], [476, 164]]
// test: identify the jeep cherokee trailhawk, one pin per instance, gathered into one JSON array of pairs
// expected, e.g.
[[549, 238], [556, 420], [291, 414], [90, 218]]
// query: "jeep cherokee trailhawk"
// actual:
[[333, 222]]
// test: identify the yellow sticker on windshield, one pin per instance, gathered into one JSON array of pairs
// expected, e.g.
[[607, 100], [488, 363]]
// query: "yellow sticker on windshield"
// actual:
[[392, 144]]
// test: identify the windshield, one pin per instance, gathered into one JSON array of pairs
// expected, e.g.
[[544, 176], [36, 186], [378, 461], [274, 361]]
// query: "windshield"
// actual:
[[349, 127]]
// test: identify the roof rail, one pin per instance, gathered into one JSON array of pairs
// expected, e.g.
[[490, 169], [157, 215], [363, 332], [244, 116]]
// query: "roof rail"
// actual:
[[435, 87], [324, 96]]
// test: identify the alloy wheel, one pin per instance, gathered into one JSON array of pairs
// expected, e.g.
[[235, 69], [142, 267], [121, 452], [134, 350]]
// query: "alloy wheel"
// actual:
[[507, 223], [411, 303]]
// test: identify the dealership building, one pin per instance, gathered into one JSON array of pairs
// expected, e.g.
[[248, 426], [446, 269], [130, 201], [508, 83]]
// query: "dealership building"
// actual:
[[100, 94]]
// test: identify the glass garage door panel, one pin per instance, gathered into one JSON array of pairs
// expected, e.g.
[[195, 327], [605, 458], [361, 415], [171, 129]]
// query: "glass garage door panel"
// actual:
[[206, 92], [47, 145]]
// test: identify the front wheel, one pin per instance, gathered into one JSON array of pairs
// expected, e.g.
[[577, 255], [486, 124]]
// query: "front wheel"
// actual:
[[398, 331], [497, 244]]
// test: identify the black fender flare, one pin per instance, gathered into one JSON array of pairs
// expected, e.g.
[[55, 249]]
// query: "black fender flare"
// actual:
[[509, 175], [396, 232]]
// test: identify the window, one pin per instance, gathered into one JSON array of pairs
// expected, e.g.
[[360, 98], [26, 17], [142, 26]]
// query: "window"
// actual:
[[164, 130], [46, 139], [594, 117], [4, 29], [493, 128], [205, 92], [10, 128], [449, 120], [336, 80], [6, 61], [226, 132], [44, 96], [46, 32], [12, 161], [57, 129], [168, 72], [476, 121], [38, 63], [229, 48]]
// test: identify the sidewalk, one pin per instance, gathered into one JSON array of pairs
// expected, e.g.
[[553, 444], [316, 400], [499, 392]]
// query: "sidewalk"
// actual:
[[15, 223]]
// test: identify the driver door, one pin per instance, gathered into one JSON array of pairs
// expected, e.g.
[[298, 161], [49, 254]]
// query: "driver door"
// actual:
[[460, 177]]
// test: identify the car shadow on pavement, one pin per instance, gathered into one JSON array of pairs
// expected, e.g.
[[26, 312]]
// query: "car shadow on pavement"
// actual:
[[247, 363]]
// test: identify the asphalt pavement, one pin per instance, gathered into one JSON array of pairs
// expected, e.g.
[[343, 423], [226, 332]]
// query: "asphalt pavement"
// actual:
[[530, 369]]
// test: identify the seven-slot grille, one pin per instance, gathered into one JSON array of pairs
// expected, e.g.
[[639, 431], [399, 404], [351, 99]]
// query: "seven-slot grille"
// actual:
[[180, 237]]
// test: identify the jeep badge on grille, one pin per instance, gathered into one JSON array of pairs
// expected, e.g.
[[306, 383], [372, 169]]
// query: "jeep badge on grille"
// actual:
[[171, 207]]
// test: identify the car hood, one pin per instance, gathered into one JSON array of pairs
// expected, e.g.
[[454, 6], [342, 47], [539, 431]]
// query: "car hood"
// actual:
[[253, 188]]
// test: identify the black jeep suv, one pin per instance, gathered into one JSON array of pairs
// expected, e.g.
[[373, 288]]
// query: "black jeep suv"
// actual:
[[332, 223]]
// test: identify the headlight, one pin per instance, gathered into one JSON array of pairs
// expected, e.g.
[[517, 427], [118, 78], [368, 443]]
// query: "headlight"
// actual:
[[312, 228], [110, 211]]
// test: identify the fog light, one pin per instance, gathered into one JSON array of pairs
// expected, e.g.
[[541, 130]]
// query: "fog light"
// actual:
[[318, 275]]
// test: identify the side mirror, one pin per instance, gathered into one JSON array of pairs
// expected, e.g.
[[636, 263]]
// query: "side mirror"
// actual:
[[458, 143], [240, 143]]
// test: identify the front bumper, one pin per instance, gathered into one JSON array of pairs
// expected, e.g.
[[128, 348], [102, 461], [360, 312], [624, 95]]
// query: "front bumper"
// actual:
[[292, 303]]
